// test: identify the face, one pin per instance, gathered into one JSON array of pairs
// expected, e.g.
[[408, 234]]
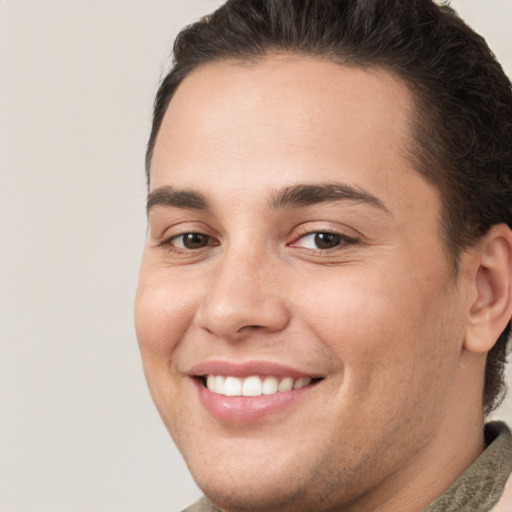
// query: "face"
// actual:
[[297, 316]]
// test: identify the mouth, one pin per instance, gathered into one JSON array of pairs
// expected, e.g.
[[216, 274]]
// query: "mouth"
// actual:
[[254, 385], [244, 393]]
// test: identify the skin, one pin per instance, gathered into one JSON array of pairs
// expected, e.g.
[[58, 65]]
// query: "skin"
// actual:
[[396, 417]]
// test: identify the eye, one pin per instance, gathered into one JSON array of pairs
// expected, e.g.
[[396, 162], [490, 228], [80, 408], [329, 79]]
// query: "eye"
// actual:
[[322, 240], [190, 241]]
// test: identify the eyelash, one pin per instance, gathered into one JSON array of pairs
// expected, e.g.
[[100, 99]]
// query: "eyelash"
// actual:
[[343, 241], [169, 242]]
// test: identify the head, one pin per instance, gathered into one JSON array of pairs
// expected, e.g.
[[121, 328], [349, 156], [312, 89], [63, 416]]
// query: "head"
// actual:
[[360, 110], [462, 127]]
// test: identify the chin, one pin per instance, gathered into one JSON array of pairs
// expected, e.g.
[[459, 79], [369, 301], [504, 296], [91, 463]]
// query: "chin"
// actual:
[[259, 477], [267, 477], [239, 494]]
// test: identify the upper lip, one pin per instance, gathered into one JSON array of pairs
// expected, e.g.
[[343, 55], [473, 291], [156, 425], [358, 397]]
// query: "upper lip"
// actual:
[[247, 369]]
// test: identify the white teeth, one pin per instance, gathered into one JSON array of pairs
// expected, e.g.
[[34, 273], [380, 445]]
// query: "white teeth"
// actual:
[[218, 385], [253, 386], [269, 386], [285, 385], [233, 386], [301, 383]]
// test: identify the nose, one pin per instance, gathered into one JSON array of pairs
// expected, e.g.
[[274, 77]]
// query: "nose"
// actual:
[[244, 296]]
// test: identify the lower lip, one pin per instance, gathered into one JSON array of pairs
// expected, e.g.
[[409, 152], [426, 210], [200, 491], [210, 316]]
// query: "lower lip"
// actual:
[[247, 409]]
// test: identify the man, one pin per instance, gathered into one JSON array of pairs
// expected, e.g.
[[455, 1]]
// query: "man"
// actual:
[[325, 293]]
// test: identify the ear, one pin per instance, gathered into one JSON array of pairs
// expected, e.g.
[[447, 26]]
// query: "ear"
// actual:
[[492, 308]]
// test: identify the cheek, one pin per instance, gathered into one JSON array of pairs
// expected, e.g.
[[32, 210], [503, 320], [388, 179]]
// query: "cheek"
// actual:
[[163, 312], [391, 342], [374, 321]]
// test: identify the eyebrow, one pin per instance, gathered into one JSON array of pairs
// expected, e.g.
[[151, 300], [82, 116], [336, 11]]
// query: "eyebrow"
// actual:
[[294, 196], [168, 196], [306, 195]]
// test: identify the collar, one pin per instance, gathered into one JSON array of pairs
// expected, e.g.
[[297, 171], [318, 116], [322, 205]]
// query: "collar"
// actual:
[[481, 486]]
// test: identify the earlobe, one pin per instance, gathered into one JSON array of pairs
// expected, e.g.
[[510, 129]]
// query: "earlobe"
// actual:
[[491, 310]]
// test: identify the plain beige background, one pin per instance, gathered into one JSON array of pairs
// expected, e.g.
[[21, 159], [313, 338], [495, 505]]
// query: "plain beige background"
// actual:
[[78, 431]]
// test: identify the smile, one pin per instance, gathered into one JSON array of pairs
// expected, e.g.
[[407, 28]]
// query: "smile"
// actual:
[[245, 392], [254, 385]]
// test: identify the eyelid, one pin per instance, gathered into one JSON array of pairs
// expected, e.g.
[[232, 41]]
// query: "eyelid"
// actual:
[[164, 224], [167, 229], [166, 238], [305, 231], [168, 241]]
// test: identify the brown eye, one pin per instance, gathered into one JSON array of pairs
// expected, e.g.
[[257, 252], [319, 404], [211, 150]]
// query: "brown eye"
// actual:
[[191, 241], [327, 240], [324, 240]]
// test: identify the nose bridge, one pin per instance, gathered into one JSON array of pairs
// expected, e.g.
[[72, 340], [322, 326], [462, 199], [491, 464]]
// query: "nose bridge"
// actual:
[[244, 294]]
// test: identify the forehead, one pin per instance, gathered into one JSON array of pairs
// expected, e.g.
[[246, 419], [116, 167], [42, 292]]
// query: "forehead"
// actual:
[[283, 107]]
